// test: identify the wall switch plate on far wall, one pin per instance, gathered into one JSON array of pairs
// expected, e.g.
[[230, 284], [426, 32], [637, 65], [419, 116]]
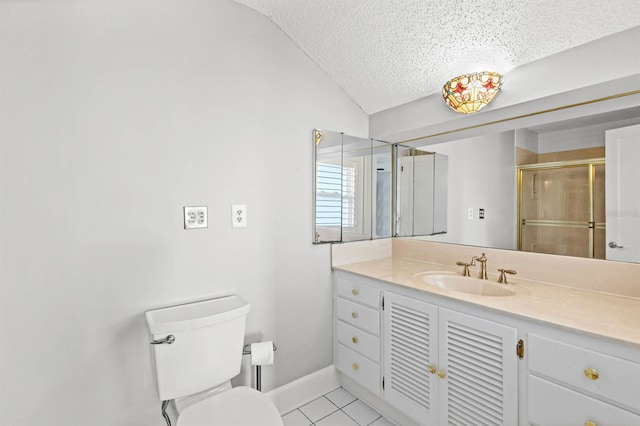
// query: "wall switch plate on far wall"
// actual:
[[195, 217], [239, 215]]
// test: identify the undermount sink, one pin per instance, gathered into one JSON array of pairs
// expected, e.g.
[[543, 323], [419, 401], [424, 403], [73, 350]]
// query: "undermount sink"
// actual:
[[467, 285]]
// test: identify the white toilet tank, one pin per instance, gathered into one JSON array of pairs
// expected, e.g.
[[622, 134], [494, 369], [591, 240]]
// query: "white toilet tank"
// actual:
[[208, 338]]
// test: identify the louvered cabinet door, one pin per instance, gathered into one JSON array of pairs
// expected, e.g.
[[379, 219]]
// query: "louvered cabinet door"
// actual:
[[478, 357], [410, 339]]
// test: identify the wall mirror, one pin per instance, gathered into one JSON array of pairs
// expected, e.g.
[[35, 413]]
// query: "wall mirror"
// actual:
[[567, 188], [352, 188], [368, 189]]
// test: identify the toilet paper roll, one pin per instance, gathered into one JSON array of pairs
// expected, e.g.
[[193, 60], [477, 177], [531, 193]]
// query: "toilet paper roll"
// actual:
[[262, 353]]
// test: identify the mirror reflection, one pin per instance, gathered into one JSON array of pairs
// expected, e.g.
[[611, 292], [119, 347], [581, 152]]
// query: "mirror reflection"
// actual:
[[367, 189], [353, 178], [562, 188], [421, 187]]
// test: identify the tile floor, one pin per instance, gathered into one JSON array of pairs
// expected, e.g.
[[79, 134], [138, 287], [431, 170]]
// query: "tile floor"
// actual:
[[337, 408]]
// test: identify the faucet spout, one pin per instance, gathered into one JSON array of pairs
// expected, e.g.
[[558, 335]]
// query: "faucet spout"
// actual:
[[483, 265]]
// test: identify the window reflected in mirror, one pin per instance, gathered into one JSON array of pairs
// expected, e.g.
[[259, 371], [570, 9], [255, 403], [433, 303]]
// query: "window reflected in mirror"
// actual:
[[360, 193], [352, 188]]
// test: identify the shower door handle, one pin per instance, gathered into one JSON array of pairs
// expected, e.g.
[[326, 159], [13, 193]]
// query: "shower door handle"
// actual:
[[613, 244]]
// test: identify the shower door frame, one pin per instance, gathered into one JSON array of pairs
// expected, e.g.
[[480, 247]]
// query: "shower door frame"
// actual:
[[591, 224]]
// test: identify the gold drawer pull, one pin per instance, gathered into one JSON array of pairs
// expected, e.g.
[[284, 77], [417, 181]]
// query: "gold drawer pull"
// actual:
[[441, 374], [590, 424], [591, 373], [354, 292], [354, 339], [431, 369], [354, 315], [354, 366]]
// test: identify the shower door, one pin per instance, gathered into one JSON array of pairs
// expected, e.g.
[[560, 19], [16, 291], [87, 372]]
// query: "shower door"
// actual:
[[561, 208]]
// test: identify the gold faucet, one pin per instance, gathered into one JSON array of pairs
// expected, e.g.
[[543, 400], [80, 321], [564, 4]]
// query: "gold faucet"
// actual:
[[483, 265], [503, 275], [465, 271]]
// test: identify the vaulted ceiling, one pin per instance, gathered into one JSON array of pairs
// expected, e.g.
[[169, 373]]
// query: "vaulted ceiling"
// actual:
[[385, 53]]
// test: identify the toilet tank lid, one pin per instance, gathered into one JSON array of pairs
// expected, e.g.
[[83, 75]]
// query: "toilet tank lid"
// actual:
[[194, 315]]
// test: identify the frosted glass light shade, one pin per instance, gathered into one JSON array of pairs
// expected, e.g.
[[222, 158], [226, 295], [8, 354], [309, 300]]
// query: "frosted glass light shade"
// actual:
[[469, 93]]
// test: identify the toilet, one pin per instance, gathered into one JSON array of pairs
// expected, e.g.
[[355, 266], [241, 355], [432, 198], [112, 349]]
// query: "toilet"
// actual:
[[197, 350]]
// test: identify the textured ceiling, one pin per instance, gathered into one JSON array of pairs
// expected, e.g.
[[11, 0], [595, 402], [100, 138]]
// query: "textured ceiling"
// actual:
[[385, 53]]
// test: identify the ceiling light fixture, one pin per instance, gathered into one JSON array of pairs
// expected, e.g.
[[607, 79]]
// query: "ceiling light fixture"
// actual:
[[469, 93]]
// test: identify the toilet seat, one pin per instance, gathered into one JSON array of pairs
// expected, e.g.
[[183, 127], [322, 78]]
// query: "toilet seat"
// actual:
[[240, 406]]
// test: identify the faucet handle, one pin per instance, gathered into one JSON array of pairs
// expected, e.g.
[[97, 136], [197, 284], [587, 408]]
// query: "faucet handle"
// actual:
[[465, 271], [503, 275]]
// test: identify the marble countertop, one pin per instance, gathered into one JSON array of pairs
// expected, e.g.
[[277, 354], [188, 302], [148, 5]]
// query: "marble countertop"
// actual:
[[612, 316]]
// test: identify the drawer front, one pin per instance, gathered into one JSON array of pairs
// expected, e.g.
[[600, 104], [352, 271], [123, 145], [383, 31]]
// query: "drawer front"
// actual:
[[359, 341], [551, 404], [360, 369], [359, 316], [360, 293], [617, 379]]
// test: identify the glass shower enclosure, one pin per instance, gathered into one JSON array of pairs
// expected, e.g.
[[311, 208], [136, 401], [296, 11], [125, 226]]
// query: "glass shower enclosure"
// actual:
[[561, 208]]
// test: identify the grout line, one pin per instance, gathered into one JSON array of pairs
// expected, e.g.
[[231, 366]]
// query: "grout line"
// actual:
[[305, 416], [333, 412]]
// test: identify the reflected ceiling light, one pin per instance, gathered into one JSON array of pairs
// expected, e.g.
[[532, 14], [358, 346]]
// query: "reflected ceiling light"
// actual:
[[469, 93]]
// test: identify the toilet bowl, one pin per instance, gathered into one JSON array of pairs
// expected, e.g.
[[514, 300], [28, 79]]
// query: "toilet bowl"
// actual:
[[197, 349]]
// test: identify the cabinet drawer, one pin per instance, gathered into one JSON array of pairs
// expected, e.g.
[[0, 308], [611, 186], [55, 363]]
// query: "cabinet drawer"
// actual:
[[358, 292], [359, 341], [551, 404], [360, 369], [359, 316], [617, 379]]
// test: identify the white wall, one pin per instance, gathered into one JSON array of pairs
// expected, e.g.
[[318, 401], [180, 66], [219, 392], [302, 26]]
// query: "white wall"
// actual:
[[114, 115], [482, 174]]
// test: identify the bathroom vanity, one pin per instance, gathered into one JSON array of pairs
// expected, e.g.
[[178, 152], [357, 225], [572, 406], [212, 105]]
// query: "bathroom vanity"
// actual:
[[533, 354]]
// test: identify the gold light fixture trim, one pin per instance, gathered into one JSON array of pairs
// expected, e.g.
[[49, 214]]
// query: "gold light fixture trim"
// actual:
[[470, 93]]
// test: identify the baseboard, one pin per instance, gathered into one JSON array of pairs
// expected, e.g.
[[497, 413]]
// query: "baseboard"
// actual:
[[305, 389]]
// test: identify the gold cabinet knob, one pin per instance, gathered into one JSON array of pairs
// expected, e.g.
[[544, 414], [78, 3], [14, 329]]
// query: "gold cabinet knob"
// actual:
[[590, 423], [441, 374], [354, 291], [354, 366], [354, 339], [431, 369], [591, 373], [354, 315]]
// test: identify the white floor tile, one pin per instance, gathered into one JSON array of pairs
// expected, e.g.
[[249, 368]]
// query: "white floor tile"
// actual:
[[295, 418], [361, 413], [341, 397], [382, 422], [337, 419], [319, 408]]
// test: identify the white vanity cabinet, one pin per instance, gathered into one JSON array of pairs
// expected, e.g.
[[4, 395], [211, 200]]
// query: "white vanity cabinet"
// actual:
[[410, 353], [571, 384], [427, 359], [445, 367], [357, 333]]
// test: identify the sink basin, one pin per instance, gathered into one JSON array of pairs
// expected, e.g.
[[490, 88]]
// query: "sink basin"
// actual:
[[465, 284]]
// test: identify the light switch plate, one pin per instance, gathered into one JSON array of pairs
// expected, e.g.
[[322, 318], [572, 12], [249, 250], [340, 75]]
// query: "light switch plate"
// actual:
[[195, 217]]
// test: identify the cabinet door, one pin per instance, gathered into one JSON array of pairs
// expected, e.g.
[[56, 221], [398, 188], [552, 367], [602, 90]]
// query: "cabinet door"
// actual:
[[410, 336], [478, 357]]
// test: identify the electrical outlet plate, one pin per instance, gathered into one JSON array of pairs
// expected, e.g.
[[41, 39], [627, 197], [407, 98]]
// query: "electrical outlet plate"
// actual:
[[195, 217], [470, 214], [239, 215]]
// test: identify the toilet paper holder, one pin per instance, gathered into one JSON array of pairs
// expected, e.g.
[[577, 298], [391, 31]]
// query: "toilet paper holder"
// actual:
[[247, 351]]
